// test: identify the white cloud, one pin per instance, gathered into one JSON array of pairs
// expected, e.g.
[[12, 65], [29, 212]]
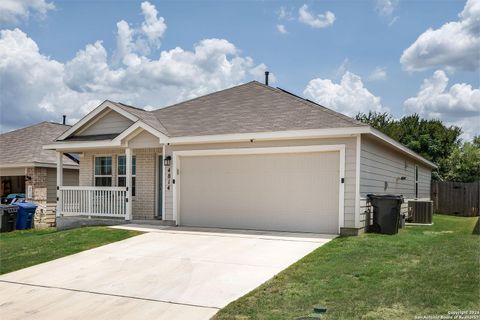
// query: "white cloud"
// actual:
[[153, 27], [33, 87], [386, 8], [305, 16], [316, 21], [379, 73], [457, 105], [284, 14], [125, 46], [455, 45], [177, 74], [25, 76], [132, 42], [36, 87], [12, 11], [349, 96], [281, 29]]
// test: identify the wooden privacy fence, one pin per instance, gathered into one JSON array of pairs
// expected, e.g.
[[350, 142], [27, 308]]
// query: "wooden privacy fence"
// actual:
[[456, 198]]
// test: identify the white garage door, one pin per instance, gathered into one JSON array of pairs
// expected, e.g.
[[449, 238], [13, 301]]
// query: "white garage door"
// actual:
[[283, 192]]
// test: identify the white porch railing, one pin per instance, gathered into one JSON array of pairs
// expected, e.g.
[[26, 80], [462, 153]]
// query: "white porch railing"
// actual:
[[93, 201]]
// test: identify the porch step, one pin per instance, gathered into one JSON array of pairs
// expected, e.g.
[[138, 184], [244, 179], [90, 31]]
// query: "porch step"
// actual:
[[154, 222]]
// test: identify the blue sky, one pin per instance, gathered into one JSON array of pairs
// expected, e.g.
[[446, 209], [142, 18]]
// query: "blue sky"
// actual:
[[344, 54]]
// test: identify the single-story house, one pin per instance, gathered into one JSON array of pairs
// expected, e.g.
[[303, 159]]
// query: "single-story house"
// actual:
[[27, 168], [248, 157]]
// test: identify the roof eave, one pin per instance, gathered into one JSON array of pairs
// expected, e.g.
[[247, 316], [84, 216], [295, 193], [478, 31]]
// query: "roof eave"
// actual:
[[37, 164], [400, 147], [273, 135], [80, 145]]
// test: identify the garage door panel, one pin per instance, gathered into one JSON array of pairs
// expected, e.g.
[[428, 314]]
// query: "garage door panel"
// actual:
[[289, 192]]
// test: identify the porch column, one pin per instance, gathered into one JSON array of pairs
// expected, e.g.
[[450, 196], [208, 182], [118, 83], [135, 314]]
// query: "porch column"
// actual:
[[128, 173], [59, 182]]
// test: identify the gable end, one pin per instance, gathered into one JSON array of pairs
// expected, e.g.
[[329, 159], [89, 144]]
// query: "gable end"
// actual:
[[109, 122]]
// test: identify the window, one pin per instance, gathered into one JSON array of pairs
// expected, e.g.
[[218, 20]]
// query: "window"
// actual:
[[122, 171], [416, 182], [103, 171]]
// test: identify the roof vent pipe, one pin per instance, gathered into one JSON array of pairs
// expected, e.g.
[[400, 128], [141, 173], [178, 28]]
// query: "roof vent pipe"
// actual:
[[266, 77], [64, 119]]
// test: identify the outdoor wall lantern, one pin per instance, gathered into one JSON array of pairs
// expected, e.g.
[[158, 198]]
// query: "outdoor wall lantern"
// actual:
[[167, 160]]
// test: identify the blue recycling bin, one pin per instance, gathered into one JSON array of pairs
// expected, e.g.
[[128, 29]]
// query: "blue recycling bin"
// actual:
[[25, 215]]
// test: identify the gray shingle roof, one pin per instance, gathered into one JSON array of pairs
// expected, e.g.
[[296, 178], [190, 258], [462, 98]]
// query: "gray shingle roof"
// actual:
[[251, 107], [25, 145], [247, 108]]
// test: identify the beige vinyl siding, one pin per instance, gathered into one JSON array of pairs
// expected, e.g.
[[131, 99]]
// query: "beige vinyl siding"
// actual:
[[350, 160], [144, 140], [51, 185], [70, 178], [5, 172], [424, 182], [111, 122], [380, 163]]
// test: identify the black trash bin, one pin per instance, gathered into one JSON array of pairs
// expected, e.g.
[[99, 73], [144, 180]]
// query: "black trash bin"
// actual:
[[386, 213], [8, 218]]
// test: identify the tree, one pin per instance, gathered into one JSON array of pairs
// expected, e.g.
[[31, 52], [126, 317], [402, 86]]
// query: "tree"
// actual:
[[464, 162], [476, 141], [430, 138], [380, 121]]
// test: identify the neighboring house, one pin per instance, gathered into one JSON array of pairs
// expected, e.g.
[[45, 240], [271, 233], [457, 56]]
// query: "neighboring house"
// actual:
[[248, 157], [25, 167]]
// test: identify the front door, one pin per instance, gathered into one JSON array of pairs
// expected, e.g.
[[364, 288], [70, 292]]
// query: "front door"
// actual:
[[160, 187]]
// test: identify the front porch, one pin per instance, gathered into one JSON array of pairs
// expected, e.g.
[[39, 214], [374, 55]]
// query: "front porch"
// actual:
[[115, 184]]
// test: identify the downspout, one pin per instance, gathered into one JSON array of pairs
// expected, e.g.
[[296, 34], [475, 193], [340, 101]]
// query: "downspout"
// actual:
[[357, 180]]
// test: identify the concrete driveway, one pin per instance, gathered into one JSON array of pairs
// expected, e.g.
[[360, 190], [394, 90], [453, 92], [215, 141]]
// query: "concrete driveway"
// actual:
[[166, 273]]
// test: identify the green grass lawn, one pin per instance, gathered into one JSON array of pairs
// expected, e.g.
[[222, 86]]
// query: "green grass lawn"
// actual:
[[424, 270], [21, 249]]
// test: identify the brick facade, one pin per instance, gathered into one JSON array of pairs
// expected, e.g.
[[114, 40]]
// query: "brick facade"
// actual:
[[36, 179]]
